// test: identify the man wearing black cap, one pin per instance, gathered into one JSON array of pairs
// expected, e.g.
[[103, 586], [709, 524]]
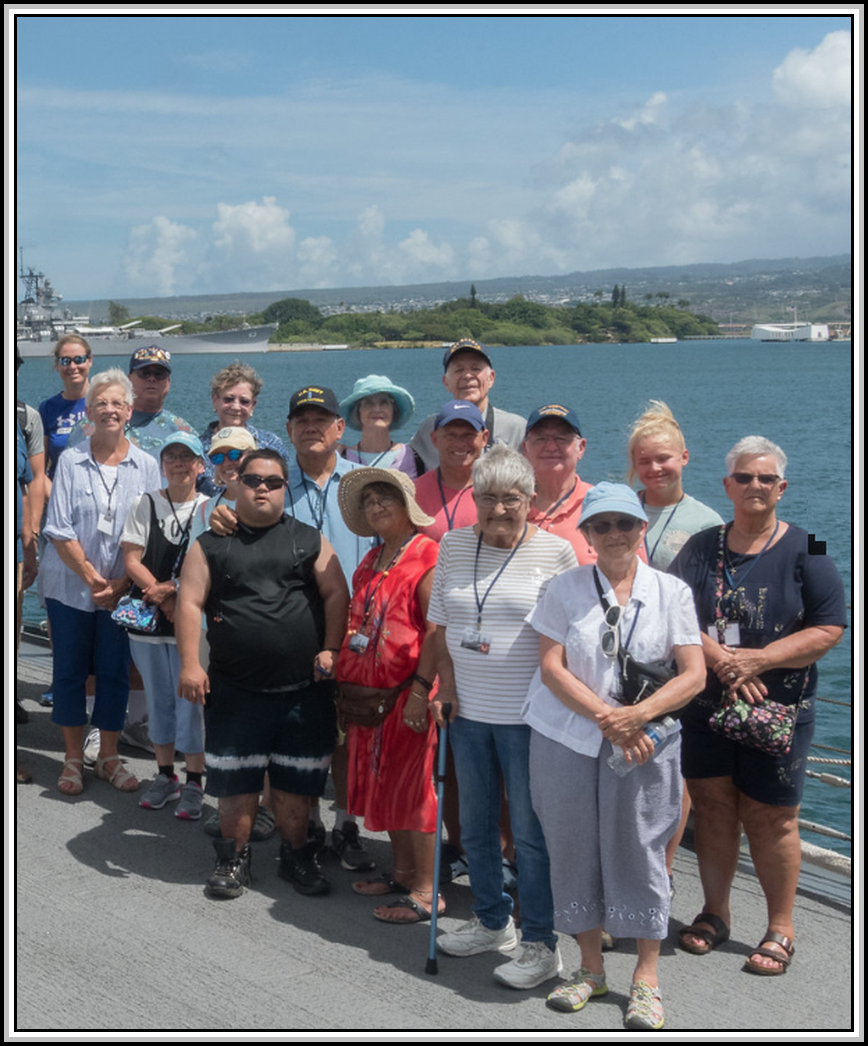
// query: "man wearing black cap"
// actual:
[[554, 446], [468, 375], [150, 372]]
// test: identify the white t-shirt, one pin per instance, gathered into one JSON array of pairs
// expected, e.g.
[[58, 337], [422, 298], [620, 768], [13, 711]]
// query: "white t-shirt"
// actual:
[[492, 687], [571, 614]]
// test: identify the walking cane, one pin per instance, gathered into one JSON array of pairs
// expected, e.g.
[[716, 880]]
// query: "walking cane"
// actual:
[[442, 746]]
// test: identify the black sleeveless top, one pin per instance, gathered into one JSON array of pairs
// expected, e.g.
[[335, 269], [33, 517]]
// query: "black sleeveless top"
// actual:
[[265, 614]]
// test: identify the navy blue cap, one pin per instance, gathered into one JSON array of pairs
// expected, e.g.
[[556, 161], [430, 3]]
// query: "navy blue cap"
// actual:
[[314, 396], [554, 410], [460, 410], [465, 345]]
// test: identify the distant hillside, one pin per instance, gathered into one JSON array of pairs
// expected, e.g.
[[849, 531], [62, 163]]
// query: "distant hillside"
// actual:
[[747, 291]]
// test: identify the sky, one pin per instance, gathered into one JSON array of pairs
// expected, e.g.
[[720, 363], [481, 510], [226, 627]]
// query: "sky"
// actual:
[[160, 154]]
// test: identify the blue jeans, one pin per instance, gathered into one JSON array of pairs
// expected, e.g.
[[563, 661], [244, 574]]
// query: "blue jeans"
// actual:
[[484, 751], [86, 642]]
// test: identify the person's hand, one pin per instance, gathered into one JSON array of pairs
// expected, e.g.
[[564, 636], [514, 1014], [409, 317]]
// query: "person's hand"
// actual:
[[167, 607], [223, 521], [193, 685], [619, 724], [444, 697], [739, 668], [416, 712], [107, 597], [638, 748], [324, 665], [158, 592], [31, 566]]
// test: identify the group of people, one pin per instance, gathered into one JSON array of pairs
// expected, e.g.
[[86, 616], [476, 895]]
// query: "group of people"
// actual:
[[581, 646]]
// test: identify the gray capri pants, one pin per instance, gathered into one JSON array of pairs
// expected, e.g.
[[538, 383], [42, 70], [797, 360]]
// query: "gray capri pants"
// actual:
[[606, 836]]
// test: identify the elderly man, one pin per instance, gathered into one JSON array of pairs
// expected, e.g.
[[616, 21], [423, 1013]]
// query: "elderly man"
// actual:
[[468, 375], [276, 603], [554, 446], [150, 372], [458, 436]]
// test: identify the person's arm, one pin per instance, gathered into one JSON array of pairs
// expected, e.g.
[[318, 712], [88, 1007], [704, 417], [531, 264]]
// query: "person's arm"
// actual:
[[152, 590], [447, 693], [28, 543], [36, 495], [332, 587], [195, 585], [416, 708], [566, 687], [223, 521]]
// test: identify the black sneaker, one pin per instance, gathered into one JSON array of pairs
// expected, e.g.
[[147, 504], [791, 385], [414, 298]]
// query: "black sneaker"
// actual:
[[349, 851], [301, 868], [232, 873], [316, 834]]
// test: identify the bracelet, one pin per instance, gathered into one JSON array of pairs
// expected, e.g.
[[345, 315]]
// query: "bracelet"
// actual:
[[422, 697], [426, 685]]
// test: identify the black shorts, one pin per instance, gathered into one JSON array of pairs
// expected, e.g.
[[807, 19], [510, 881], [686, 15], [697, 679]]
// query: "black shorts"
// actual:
[[290, 734]]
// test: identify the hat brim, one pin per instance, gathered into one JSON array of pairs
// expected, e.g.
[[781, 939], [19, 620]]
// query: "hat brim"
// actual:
[[405, 406], [350, 496]]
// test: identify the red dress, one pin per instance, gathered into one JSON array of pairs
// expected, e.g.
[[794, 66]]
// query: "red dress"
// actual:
[[391, 766]]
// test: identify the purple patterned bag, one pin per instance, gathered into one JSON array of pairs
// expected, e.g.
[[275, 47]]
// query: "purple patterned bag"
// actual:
[[768, 727]]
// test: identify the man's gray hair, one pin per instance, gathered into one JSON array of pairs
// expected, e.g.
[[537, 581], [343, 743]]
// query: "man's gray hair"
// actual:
[[112, 376], [501, 469], [753, 447]]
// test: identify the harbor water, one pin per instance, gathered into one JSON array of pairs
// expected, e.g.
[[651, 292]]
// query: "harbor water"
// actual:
[[798, 395]]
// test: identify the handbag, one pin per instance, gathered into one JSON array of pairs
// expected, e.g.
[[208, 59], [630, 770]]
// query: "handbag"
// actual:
[[136, 615], [367, 705], [768, 727]]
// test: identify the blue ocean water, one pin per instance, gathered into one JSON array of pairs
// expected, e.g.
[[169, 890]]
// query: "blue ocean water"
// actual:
[[800, 396]]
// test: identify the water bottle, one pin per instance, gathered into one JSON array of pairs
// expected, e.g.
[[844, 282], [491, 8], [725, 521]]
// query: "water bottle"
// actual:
[[658, 730]]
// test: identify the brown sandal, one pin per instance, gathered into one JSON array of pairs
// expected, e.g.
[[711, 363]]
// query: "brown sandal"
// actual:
[[710, 938], [70, 781], [783, 960], [120, 777]]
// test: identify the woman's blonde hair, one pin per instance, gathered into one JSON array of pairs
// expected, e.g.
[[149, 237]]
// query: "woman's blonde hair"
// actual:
[[236, 373], [656, 420]]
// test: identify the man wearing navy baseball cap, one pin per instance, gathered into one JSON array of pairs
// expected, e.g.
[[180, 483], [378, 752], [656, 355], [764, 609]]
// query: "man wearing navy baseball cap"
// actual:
[[468, 375], [554, 445]]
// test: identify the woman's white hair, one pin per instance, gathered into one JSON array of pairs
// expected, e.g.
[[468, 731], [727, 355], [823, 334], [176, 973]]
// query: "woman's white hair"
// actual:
[[501, 469], [754, 447], [112, 376]]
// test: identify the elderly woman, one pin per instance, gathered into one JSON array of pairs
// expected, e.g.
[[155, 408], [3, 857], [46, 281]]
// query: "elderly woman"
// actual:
[[769, 610], [234, 391], [386, 669], [488, 578], [83, 574], [607, 833], [658, 454], [374, 407]]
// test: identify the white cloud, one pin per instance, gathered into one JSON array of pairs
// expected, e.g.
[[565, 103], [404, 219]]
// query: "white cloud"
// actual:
[[154, 253], [318, 261], [421, 252], [650, 113], [256, 227], [371, 223], [818, 79]]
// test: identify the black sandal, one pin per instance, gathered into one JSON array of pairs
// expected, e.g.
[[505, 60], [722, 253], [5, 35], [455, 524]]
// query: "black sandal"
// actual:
[[712, 939], [391, 886]]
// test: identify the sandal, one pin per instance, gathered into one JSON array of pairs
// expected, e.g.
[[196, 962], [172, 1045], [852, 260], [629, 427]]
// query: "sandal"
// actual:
[[379, 887], [783, 960], [417, 913], [645, 1009], [712, 938], [70, 781], [119, 778]]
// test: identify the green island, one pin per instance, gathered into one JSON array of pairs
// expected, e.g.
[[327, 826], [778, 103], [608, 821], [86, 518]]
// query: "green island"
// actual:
[[514, 322]]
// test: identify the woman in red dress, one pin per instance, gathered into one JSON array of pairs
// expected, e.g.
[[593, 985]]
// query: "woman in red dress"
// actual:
[[386, 675]]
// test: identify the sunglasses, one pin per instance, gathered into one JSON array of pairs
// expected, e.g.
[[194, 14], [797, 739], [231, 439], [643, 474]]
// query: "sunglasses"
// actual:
[[157, 373], [624, 525], [766, 479], [272, 483], [219, 456], [67, 361], [610, 641]]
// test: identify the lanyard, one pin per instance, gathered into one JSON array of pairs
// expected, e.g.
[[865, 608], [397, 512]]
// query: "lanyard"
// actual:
[[371, 595], [480, 603], [109, 490], [759, 555], [450, 520], [318, 511], [650, 553], [550, 513]]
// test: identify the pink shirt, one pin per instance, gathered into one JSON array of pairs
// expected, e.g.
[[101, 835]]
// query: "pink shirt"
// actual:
[[451, 510]]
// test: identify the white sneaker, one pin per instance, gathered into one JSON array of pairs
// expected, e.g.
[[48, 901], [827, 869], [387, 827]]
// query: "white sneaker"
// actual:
[[537, 963], [472, 938], [90, 748]]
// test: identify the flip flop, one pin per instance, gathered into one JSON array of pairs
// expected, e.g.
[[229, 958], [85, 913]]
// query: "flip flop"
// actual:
[[418, 914], [379, 887], [712, 938], [784, 960]]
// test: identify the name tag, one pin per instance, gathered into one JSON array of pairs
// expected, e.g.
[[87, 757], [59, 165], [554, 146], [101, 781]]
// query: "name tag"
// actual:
[[478, 641]]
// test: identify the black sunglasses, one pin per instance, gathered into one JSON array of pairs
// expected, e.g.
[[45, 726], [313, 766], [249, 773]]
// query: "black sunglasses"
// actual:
[[250, 479], [625, 524], [219, 456], [767, 479]]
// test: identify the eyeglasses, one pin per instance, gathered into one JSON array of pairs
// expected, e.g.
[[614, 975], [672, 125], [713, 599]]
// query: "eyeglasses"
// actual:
[[625, 524], [186, 456], [67, 361], [379, 501], [509, 501], [766, 479], [272, 483], [610, 641], [561, 442], [157, 373], [109, 405], [219, 456]]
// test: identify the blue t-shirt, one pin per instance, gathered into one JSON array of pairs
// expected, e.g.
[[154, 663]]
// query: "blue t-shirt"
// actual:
[[23, 476], [59, 417]]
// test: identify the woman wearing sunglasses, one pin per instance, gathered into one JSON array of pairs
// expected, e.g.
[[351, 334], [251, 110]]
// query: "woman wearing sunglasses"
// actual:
[[606, 834], [234, 391], [60, 413], [770, 607]]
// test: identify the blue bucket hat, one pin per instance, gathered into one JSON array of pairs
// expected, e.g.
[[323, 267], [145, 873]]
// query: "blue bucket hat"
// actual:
[[611, 497], [373, 385]]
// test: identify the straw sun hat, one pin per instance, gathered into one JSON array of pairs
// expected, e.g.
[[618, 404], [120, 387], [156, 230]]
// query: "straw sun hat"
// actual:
[[350, 497]]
